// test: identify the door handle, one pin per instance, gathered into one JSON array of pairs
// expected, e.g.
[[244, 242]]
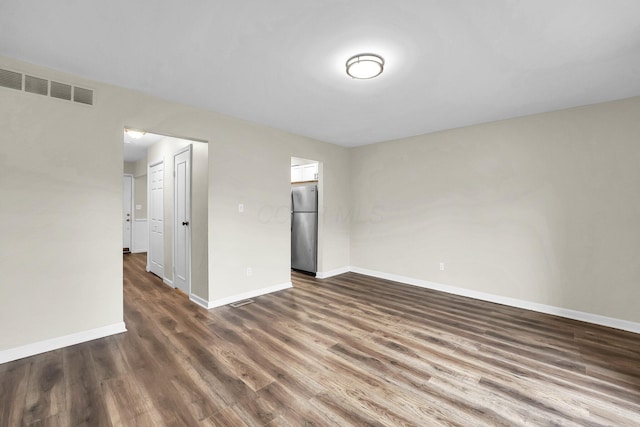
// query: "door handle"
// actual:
[[185, 223], [128, 220]]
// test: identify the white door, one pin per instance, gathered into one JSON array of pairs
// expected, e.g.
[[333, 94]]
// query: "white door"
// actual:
[[155, 259], [182, 215], [127, 203]]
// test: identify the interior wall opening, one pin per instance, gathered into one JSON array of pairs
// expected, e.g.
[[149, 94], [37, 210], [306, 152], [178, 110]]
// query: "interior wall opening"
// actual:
[[306, 215], [169, 209]]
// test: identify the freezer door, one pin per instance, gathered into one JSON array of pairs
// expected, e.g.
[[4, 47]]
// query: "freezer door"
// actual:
[[304, 241], [305, 198]]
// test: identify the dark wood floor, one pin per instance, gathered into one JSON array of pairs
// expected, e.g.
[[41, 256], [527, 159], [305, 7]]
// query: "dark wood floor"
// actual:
[[351, 350]]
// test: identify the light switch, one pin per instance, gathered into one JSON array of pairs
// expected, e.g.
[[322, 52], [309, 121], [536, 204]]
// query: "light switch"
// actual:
[[138, 207], [241, 207]]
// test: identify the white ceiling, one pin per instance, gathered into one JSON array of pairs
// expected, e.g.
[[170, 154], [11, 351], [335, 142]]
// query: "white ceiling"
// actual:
[[450, 63], [136, 149]]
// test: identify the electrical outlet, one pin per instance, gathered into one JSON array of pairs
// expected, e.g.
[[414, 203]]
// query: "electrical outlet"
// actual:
[[249, 271], [442, 266]]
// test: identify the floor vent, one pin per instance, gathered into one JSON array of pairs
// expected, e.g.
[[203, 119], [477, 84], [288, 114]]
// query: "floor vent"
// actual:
[[15, 80], [241, 303]]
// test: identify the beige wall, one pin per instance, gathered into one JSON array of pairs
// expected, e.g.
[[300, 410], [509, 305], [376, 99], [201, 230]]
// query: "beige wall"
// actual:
[[200, 220], [260, 163], [62, 193], [140, 167], [129, 167], [139, 188], [140, 197], [544, 208], [60, 220]]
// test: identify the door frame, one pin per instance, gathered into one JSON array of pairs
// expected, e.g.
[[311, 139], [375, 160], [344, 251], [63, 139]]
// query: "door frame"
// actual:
[[188, 148], [129, 176], [320, 240]]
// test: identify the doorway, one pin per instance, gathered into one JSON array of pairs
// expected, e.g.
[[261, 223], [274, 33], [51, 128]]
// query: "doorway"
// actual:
[[172, 217], [306, 203]]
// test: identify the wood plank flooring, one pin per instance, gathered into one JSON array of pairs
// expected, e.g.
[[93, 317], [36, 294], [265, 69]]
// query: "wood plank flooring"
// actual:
[[350, 350]]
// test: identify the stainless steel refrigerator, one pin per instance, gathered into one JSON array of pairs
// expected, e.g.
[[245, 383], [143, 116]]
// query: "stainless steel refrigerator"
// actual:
[[304, 228]]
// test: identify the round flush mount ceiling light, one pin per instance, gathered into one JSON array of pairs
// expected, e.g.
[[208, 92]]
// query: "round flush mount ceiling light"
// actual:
[[135, 134], [365, 66]]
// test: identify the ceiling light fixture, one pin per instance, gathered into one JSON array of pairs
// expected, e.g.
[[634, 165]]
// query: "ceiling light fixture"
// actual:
[[135, 134], [365, 66]]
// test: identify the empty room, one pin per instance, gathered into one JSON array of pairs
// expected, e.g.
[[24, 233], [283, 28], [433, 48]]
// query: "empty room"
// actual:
[[320, 213]]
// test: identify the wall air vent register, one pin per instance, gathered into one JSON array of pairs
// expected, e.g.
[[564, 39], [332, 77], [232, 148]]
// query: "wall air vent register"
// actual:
[[35, 85], [23, 82]]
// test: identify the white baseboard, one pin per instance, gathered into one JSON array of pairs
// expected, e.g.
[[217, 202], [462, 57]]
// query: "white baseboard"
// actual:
[[60, 342], [251, 294], [168, 282], [597, 319], [200, 301], [331, 273], [141, 251]]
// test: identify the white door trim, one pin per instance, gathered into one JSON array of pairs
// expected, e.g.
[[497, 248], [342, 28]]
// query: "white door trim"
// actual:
[[176, 226]]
